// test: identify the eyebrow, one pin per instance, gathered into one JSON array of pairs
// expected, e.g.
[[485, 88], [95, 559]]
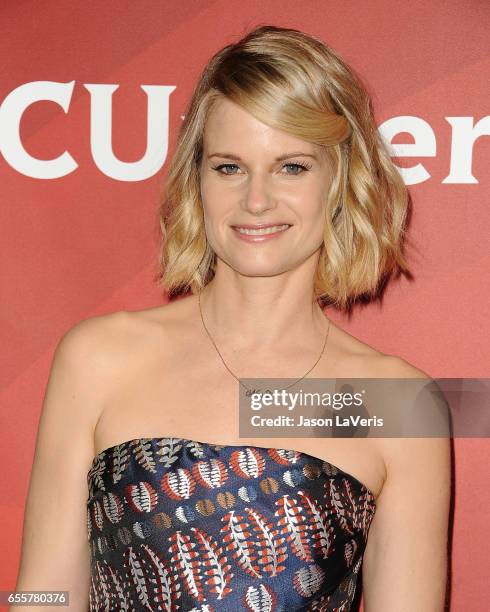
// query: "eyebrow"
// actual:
[[280, 158]]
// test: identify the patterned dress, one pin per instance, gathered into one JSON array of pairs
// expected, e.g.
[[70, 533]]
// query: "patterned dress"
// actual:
[[177, 524]]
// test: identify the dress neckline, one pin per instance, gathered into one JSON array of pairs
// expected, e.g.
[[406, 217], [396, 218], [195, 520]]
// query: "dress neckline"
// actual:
[[235, 447]]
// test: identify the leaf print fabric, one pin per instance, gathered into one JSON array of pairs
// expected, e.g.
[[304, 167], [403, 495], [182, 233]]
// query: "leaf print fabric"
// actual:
[[176, 524]]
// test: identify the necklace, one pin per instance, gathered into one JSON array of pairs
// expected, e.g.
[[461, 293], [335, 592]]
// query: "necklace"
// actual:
[[236, 377]]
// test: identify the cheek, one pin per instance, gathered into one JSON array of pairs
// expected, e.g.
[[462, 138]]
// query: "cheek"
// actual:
[[309, 203], [214, 211], [211, 190], [209, 199], [219, 205], [214, 214]]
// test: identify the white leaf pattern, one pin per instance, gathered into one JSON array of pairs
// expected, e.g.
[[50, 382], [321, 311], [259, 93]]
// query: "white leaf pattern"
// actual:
[[248, 539]]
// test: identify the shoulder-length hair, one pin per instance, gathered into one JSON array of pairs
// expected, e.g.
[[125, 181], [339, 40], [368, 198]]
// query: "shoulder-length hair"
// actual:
[[296, 83]]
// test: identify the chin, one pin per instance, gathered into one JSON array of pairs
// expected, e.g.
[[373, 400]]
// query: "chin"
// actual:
[[258, 264], [259, 270]]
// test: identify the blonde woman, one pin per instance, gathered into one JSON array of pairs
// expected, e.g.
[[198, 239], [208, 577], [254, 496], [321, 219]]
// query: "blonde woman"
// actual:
[[280, 199]]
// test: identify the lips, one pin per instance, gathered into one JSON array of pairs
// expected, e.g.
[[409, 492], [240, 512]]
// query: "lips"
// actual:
[[264, 230], [258, 225]]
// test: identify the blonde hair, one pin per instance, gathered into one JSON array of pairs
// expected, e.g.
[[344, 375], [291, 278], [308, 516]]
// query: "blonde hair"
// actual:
[[296, 83]]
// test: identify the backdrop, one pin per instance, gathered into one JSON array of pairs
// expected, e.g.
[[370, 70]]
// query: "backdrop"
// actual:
[[78, 217]]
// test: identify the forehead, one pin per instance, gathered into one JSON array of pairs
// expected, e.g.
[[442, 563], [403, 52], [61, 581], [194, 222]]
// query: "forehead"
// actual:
[[229, 126]]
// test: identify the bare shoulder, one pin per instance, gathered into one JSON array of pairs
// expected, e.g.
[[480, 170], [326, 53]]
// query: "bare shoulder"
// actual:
[[107, 347], [397, 367], [88, 333], [83, 363], [401, 457], [173, 313], [416, 459], [416, 452], [109, 340], [364, 360], [95, 354]]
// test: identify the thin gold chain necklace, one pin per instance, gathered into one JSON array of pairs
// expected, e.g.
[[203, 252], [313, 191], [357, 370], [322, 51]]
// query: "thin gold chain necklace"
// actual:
[[236, 377]]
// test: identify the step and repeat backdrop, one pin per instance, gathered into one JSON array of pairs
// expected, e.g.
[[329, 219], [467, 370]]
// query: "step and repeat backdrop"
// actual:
[[92, 95]]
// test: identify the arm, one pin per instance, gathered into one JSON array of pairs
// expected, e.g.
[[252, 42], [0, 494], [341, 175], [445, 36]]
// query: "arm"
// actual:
[[405, 562], [55, 553]]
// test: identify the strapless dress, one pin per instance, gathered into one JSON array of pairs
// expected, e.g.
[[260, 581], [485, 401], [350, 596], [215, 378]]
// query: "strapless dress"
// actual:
[[177, 524]]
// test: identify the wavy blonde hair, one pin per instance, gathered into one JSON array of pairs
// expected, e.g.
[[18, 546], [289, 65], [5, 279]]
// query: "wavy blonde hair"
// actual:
[[296, 83]]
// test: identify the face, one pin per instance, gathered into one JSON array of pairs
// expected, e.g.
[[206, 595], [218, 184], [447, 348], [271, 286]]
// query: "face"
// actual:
[[253, 175]]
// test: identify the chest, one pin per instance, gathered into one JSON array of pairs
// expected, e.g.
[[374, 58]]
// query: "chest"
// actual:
[[193, 396]]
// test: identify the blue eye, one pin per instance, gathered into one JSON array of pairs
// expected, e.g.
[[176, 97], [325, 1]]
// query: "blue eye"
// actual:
[[218, 168], [297, 166], [303, 167]]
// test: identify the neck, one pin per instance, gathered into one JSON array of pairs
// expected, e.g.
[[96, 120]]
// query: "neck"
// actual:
[[254, 313]]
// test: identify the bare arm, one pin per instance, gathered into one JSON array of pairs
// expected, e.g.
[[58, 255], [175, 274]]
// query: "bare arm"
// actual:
[[405, 562], [55, 552]]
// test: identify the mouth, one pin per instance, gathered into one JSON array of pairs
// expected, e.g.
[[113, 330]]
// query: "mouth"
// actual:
[[260, 230]]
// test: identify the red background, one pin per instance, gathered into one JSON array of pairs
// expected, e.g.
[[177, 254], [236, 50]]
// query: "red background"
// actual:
[[85, 244]]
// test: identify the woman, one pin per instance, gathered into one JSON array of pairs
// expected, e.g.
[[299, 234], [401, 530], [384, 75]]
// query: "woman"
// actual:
[[182, 512]]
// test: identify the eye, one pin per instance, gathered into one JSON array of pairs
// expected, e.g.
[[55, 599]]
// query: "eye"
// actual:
[[218, 168], [298, 168], [302, 167]]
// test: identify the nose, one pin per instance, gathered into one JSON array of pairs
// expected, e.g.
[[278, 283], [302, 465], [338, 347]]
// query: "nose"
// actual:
[[258, 197]]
